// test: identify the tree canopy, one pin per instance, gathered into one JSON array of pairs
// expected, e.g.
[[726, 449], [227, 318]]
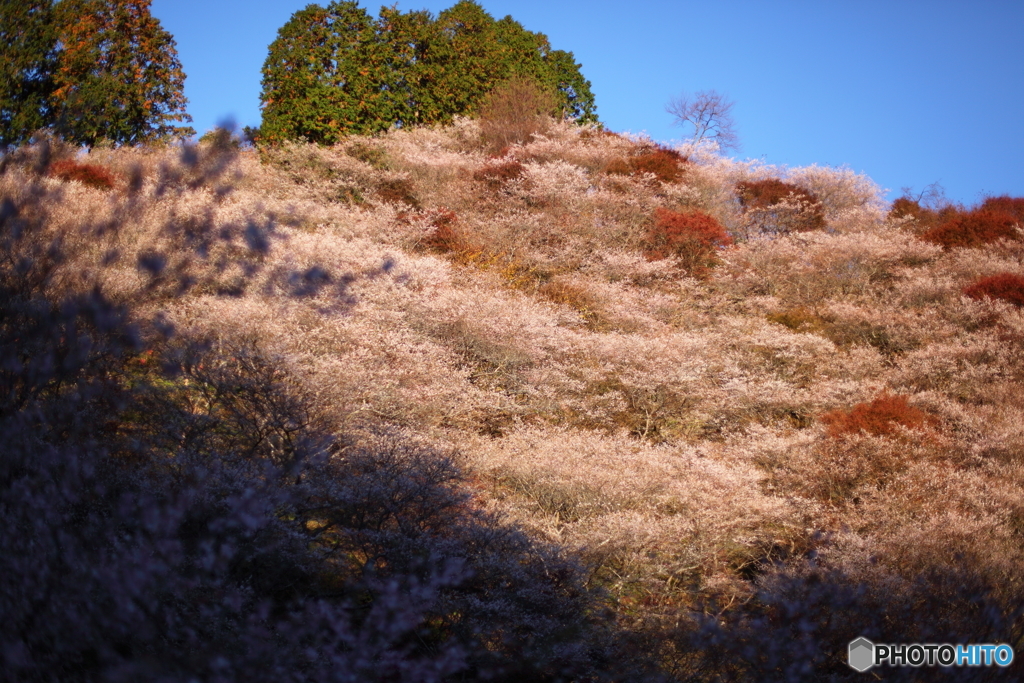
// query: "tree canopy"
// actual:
[[336, 71], [28, 35], [90, 70]]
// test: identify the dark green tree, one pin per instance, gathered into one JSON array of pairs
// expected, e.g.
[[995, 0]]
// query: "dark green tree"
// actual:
[[336, 71], [328, 72], [117, 76], [89, 70], [577, 100], [29, 40]]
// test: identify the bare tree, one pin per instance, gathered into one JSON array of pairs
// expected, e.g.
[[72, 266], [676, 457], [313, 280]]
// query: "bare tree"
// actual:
[[710, 114], [932, 197]]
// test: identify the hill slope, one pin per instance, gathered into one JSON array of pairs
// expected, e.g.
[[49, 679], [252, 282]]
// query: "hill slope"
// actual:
[[801, 420]]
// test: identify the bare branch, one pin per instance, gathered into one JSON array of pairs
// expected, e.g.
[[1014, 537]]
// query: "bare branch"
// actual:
[[710, 114]]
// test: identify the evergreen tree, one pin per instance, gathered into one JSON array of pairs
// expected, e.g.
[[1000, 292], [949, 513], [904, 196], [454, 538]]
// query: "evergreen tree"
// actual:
[[327, 72], [117, 77], [29, 42], [335, 71]]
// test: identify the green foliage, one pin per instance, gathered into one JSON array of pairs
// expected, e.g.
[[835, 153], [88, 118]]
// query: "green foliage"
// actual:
[[337, 71], [91, 70], [29, 39], [326, 72]]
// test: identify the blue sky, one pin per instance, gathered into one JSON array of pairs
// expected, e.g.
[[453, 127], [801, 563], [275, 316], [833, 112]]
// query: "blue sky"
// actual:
[[910, 92]]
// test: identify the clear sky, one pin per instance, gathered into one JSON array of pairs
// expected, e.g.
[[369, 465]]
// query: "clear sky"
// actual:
[[911, 92]]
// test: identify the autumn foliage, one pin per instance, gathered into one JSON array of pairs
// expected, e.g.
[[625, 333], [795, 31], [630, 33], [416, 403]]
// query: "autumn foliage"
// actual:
[[444, 236], [94, 70], [238, 394], [973, 229], [499, 172], [1013, 206], [775, 206], [1005, 286], [87, 174], [664, 163], [883, 416], [692, 237]]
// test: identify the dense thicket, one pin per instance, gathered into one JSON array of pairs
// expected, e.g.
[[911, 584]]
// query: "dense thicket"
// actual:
[[90, 70], [336, 71]]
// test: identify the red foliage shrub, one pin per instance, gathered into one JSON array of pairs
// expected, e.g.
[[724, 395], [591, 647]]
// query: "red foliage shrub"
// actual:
[[87, 174], [905, 206], [881, 417], [496, 175], [761, 197], [445, 237], [1005, 286], [665, 163], [763, 193], [923, 218], [1006, 204], [692, 237], [973, 228]]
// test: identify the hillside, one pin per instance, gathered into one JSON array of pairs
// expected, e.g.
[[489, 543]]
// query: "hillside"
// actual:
[[736, 439]]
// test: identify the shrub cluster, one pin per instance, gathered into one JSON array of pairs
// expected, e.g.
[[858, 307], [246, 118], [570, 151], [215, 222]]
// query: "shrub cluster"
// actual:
[[974, 228], [692, 237], [791, 631], [924, 218], [883, 416], [773, 206], [444, 236], [87, 174], [664, 163], [952, 226], [1013, 206], [498, 172], [1005, 286]]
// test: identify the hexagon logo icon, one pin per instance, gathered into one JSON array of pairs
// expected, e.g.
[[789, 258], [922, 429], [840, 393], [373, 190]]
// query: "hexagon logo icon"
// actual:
[[861, 655]]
